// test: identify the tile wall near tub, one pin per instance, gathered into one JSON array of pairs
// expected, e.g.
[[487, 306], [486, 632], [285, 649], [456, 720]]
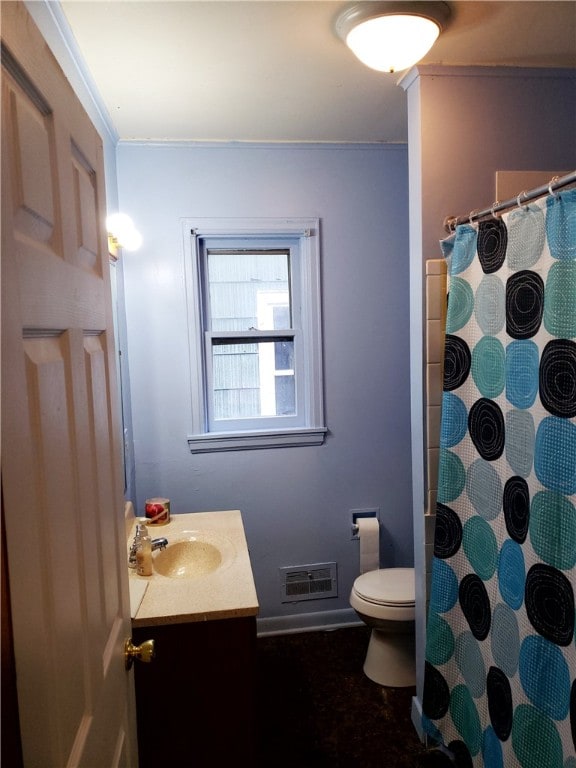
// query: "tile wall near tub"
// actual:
[[436, 276]]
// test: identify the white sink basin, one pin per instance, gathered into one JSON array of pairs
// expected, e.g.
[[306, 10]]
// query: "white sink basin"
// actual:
[[194, 553]]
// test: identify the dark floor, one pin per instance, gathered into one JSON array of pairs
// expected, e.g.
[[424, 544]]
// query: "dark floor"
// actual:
[[317, 709]]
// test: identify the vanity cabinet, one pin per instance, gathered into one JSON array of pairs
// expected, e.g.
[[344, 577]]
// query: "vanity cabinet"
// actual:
[[196, 699]]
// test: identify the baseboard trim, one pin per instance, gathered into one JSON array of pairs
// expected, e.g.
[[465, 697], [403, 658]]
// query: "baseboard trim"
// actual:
[[416, 715], [308, 622]]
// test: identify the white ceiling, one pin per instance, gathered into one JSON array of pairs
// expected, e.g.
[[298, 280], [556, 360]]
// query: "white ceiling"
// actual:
[[275, 70]]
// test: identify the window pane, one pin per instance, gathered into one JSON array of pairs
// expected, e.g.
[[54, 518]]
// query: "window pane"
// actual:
[[283, 355], [252, 380], [285, 395], [235, 367], [246, 289]]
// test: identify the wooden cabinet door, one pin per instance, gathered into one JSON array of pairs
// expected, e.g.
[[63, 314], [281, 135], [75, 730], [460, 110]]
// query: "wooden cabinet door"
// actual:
[[196, 701], [61, 464]]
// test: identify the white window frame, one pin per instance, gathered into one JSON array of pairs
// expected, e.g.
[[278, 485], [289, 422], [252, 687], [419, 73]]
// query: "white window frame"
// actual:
[[307, 323]]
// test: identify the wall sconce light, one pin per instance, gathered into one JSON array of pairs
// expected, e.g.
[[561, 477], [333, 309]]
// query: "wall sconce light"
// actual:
[[122, 233], [391, 36]]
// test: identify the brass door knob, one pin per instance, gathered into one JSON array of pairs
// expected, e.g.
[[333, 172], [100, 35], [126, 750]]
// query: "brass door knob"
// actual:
[[144, 652]]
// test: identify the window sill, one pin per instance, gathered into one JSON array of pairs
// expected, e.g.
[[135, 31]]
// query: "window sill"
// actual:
[[246, 441]]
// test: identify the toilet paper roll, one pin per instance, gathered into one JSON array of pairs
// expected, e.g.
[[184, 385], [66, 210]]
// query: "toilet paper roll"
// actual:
[[369, 534]]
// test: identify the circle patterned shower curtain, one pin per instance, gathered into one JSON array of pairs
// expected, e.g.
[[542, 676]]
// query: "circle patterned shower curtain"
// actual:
[[499, 687]]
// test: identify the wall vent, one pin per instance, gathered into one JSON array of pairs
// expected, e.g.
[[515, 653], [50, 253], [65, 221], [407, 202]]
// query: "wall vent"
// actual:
[[308, 582]]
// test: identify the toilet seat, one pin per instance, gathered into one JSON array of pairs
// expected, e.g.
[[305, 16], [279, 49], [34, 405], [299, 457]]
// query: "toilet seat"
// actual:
[[387, 594], [387, 586]]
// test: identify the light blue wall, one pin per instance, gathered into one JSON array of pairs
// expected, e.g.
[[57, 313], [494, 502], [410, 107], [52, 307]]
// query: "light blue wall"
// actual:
[[295, 502]]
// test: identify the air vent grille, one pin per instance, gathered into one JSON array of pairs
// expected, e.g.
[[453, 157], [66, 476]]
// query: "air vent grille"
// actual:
[[308, 582]]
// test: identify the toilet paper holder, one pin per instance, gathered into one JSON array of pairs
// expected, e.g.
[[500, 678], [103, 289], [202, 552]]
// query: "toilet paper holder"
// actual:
[[357, 514]]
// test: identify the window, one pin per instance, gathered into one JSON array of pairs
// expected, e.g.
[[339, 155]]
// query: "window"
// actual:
[[255, 341]]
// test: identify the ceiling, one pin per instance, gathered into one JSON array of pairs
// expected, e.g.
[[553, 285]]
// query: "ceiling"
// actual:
[[275, 70]]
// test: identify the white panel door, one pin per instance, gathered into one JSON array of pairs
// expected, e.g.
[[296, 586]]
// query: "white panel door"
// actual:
[[61, 463]]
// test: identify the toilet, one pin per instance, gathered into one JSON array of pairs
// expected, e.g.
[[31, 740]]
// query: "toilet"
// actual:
[[385, 600]]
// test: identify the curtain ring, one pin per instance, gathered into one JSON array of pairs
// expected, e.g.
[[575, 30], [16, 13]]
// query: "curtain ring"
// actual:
[[450, 223], [552, 180], [492, 211], [518, 200], [471, 215]]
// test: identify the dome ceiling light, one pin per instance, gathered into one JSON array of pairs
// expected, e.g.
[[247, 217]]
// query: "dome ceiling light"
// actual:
[[391, 36]]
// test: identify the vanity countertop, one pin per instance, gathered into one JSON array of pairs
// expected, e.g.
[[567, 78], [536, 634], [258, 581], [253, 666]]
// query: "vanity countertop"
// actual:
[[225, 593]]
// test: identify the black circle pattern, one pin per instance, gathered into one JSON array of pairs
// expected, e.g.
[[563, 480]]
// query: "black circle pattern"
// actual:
[[475, 605], [500, 705], [558, 378], [492, 242], [524, 304], [516, 504], [462, 756], [448, 532], [550, 603], [440, 759], [486, 427], [457, 362], [436, 697]]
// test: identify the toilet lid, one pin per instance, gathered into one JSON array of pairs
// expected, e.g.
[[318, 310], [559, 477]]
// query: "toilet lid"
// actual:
[[387, 586]]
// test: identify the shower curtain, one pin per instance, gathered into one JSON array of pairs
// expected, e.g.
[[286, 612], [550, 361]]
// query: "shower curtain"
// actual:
[[499, 687]]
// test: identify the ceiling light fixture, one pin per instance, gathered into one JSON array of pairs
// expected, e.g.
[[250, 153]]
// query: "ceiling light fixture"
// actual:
[[391, 36]]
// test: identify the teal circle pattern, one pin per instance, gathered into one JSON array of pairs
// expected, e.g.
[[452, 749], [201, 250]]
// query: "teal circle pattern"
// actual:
[[545, 676], [480, 546], [464, 249], [492, 749], [512, 574], [561, 225], [445, 593], [484, 489], [526, 237], [490, 305], [471, 664], [535, 739], [447, 246], [460, 304], [466, 719], [440, 641], [522, 368], [559, 315], [451, 476], [520, 432], [555, 455], [505, 638], [488, 366], [553, 529], [454, 423]]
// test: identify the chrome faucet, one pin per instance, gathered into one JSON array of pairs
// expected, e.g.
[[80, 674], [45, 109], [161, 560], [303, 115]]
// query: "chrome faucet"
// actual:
[[160, 543]]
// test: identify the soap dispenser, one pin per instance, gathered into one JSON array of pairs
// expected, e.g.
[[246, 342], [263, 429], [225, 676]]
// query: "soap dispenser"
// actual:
[[143, 552]]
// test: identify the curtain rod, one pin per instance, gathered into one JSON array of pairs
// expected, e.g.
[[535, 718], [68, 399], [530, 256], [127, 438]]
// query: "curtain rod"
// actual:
[[557, 182]]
